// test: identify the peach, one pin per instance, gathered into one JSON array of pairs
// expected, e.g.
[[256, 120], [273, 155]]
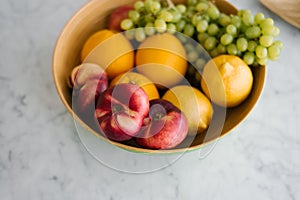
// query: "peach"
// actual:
[[120, 111], [88, 82], [165, 128]]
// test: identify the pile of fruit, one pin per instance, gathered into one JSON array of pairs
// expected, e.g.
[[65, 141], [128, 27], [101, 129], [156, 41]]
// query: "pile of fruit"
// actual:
[[188, 57]]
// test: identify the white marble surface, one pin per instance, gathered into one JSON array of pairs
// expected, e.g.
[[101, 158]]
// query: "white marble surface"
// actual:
[[41, 157]]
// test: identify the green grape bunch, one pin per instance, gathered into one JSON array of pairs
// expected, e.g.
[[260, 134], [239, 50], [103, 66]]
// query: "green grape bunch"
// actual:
[[251, 37]]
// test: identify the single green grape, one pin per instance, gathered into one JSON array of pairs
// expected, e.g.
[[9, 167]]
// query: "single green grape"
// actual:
[[273, 52], [251, 46], [181, 8], [249, 58], [176, 16], [189, 30], [160, 25], [146, 19], [139, 5], [140, 34], [202, 26], [189, 12], [196, 18], [262, 61], [155, 7], [214, 53], [202, 37], [278, 43], [130, 34], [231, 29], [210, 43], [226, 39], [134, 15], [166, 16], [224, 20], [212, 29], [253, 32], [202, 7], [246, 12], [149, 28], [259, 17], [268, 30], [213, 12], [171, 28], [180, 25], [266, 40], [232, 49], [148, 4], [242, 44], [206, 17], [126, 24], [236, 21], [261, 52], [267, 22], [221, 49], [248, 19]]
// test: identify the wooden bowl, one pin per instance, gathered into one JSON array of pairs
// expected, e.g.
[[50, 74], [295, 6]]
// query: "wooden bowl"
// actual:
[[93, 17]]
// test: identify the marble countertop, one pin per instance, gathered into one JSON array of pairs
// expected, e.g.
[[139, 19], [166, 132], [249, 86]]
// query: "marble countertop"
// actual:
[[41, 156]]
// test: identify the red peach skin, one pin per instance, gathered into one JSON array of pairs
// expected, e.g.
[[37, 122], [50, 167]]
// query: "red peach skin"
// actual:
[[88, 81], [165, 128], [121, 110]]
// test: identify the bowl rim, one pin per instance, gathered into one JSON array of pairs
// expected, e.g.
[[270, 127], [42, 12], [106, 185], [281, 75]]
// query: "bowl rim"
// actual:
[[126, 147]]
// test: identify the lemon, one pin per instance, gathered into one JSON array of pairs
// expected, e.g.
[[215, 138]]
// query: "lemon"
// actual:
[[227, 80], [194, 104]]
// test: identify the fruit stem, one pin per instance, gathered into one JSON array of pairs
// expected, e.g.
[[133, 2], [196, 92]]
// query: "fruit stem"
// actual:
[[171, 4], [117, 108], [158, 116], [132, 82]]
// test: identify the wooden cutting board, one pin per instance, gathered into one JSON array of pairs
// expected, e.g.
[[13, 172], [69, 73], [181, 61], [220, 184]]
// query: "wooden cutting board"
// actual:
[[289, 10]]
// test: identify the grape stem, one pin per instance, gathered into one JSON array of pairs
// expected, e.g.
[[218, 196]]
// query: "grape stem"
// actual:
[[171, 4]]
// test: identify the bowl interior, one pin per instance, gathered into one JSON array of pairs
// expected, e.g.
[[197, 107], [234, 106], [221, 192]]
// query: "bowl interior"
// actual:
[[92, 17]]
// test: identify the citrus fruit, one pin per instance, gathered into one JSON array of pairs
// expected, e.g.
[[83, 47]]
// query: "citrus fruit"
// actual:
[[112, 51], [194, 104], [138, 79], [227, 80], [162, 58]]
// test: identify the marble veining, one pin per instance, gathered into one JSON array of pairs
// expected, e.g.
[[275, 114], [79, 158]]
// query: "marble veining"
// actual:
[[42, 157]]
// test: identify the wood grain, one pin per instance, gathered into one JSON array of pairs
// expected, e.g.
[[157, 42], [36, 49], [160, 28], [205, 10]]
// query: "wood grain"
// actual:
[[289, 10]]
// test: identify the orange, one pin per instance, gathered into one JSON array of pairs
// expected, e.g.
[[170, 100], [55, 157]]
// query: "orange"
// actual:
[[162, 58], [112, 51], [194, 104], [227, 80], [138, 79]]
